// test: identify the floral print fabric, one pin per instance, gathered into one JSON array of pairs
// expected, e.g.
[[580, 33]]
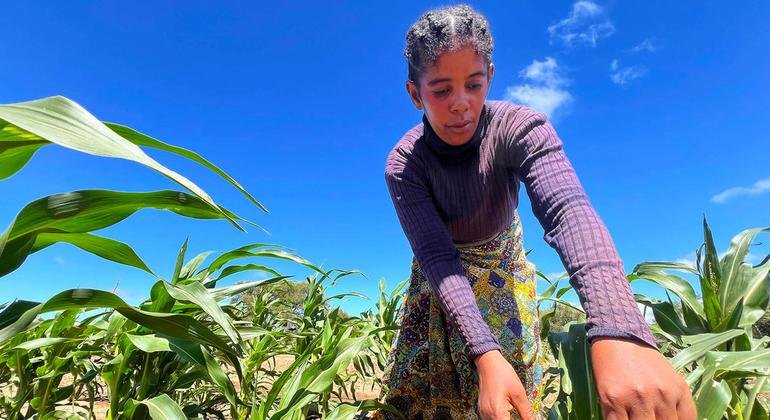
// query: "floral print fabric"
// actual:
[[429, 375]]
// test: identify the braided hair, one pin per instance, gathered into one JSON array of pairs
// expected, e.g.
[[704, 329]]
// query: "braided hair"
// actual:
[[442, 30]]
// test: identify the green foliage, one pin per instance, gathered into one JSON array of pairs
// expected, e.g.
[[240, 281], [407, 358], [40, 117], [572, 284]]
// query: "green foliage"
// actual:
[[196, 348], [183, 343], [709, 339], [69, 217], [192, 349], [577, 397], [564, 316], [762, 326]]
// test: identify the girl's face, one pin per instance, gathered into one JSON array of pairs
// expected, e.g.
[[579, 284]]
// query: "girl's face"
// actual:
[[452, 94]]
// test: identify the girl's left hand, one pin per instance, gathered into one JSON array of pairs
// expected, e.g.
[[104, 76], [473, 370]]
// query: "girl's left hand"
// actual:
[[636, 382]]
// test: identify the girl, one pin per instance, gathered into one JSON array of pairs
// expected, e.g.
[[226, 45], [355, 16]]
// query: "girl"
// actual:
[[469, 345]]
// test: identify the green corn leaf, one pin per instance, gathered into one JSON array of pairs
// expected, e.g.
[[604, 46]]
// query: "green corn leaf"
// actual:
[[726, 361], [695, 322], [346, 411], [562, 291], [188, 350], [149, 343], [658, 266], [220, 378], [712, 400], [12, 312], [86, 211], [174, 325], [42, 342], [733, 287], [675, 284], [319, 375], [666, 317], [699, 345], [573, 348], [161, 407], [177, 275], [280, 254], [143, 140], [19, 324], [733, 321], [233, 269], [756, 292], [694, 376], [710, 280], [106, 248], [294, 370], [14, 157], [199, 295], [743, 285], [754, 408], [545, 322], [242, 252], [550, 290], [225, 292], [655, 329], [64, 122], [189, 269]]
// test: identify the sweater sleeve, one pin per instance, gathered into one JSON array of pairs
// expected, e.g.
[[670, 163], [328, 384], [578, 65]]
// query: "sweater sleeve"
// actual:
[[573, 228], [435, 252]]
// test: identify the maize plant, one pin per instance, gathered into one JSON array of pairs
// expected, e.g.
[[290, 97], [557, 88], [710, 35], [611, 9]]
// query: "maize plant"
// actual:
[[710, 338], [707, 338], [182, 352]]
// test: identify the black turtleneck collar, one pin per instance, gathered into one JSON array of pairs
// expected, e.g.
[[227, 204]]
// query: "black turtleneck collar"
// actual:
[[470, 148]]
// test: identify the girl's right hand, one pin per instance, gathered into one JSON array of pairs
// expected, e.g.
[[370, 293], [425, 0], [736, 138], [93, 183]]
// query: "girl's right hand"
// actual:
[[500, 389]]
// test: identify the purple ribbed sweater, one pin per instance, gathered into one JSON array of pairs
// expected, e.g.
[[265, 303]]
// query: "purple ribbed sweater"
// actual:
[[446, 195]]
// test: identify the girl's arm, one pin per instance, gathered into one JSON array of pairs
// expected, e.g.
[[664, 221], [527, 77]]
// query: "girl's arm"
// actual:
[[621, 340], [573, 228], [433, 247]]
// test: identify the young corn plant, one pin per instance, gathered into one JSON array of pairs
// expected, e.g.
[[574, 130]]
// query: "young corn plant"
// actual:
[[70, 217], [710, 338], [46, 365], [384, 316], [576, 393], [325, 341]]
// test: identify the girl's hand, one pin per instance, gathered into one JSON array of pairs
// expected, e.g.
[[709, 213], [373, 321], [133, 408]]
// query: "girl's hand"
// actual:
[[500, 389], [636, 382]]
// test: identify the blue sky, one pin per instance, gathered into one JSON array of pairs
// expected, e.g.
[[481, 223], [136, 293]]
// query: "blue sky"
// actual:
[[661, 107]]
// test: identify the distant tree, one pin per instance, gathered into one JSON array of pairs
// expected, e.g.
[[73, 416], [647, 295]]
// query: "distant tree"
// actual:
[[289, 297], [564, 315]]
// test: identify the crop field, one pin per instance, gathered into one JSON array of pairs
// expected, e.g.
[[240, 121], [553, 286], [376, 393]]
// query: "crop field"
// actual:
[[201, 346]]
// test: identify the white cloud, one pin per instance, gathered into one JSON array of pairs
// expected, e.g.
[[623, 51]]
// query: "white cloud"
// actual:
[[586, 24], [621, 76], [760, 187], [545, 72], [544, 91], [648, 45], [59, 260]]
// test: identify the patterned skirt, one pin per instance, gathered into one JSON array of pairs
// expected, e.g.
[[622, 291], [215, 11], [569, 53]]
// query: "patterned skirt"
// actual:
[[428, 375]]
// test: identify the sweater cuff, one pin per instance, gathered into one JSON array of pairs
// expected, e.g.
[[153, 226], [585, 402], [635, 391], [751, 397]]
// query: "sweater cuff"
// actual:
[[640, 337], [477, 349]]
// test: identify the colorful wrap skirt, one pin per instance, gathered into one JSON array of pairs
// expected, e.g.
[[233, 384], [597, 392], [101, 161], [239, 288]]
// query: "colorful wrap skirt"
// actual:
[[428, 375]]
